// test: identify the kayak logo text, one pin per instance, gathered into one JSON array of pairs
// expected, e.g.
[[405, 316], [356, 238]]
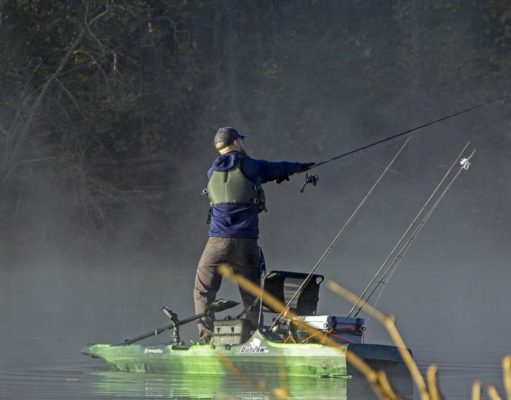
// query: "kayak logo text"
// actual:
[[154, 351], [254, 347]]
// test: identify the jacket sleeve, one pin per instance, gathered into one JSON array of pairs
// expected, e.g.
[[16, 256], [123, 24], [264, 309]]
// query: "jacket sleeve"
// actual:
[[271, 170]]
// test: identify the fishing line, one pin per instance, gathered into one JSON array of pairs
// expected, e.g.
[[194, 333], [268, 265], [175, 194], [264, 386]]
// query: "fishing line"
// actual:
[[465, 163], [320, 260]]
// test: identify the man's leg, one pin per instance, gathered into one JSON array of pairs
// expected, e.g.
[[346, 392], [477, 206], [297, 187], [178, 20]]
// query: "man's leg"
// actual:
[[207, 282], [248, 264]]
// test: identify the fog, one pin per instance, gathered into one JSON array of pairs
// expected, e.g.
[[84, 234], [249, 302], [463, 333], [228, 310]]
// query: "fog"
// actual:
[[449, 293], [61, 289]]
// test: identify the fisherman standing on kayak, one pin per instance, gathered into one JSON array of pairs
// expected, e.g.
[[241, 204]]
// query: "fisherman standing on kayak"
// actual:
[[236, 198]]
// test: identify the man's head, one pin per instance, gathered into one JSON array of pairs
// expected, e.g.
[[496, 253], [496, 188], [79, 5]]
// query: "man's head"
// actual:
[[228, 139]]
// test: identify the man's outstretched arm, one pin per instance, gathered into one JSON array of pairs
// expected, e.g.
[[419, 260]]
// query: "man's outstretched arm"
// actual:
[[280, 170]]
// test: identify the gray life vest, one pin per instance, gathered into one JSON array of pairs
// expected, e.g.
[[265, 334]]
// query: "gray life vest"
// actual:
[[232, 187]]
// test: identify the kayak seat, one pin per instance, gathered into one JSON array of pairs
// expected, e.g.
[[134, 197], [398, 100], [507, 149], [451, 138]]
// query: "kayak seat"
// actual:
[[284, 284]]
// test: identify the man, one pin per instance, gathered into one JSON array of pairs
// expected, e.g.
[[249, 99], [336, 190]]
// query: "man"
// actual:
[[236, 198]]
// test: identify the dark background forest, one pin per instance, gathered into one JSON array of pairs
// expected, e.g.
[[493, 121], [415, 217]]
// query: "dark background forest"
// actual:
[[107, 116], [108, 108]]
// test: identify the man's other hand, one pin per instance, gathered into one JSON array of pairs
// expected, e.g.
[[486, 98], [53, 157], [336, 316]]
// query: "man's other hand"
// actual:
[[280, 180]]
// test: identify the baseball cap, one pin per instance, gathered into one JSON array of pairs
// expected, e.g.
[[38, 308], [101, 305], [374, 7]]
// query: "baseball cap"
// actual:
[[226, 136]]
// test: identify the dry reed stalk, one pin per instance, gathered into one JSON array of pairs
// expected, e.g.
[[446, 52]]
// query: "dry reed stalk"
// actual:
[[370, 374], [280, 393], [223, 396], [476, 390], [493, 393], [283, 379], [506, 366], [432, 379], [234, 370], [388, 322], [386, 386], [260, 386]]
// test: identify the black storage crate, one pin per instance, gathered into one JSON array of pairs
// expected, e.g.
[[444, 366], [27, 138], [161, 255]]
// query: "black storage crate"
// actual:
[[231, 331]]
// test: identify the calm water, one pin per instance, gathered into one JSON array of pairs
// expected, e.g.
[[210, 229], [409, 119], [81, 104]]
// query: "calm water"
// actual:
[[89, 379], [48, 313], [92, 382]]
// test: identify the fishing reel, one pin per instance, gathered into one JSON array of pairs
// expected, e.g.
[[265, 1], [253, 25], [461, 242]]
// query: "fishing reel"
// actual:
[[174, 334], [310, 179]]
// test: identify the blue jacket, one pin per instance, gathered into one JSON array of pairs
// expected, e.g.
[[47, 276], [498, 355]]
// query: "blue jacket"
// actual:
[[242, 220]]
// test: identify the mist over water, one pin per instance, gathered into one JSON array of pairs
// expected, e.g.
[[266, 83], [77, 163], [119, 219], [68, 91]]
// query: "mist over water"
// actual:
[[402, 65]]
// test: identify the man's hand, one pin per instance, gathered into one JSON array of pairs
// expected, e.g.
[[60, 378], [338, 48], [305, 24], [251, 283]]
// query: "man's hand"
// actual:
[[307, 166], [304, 167], [280, 180]]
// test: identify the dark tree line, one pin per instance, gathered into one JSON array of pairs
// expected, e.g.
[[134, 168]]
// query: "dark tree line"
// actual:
[[101, 101]]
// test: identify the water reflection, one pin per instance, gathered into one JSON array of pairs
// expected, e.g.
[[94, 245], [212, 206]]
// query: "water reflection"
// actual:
[[115, 383], [86, 382]]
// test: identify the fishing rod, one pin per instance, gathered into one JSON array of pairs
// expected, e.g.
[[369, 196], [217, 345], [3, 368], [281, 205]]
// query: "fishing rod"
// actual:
[[217, 306], [371, 282], [398, 255], [408, 131], [313, 179], [465, 166], [320, 260]]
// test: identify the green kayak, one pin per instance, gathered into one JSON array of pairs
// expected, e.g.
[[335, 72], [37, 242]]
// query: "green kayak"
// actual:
[[293, 347], [259, 355]]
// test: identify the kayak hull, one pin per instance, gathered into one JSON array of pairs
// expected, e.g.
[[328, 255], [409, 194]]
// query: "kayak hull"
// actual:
[[258, 356]]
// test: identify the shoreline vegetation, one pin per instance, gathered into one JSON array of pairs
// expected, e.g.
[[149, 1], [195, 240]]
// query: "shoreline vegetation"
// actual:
[[95, 97], [427, 386]]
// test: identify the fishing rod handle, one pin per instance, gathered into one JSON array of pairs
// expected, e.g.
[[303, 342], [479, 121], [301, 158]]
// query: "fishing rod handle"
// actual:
[[156, 332]]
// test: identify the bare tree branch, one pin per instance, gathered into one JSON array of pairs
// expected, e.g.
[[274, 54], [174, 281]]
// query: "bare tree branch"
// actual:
[[93, 35], [81, 154], [70, 95], [103, 45], [2, 3], [13, 126], [98, 66], [16, 148], [3, 130], [16, 121], [23, 162]]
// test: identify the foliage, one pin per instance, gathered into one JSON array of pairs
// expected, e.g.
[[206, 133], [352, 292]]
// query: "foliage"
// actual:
[[104, 100]]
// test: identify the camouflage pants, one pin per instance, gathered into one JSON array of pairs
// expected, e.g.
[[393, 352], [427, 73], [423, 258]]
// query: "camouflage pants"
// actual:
[[244, 257]]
